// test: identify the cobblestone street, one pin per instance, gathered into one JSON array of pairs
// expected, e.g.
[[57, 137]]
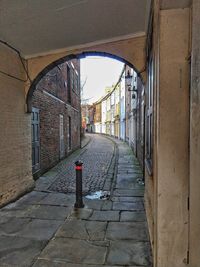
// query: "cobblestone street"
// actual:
[[96, 156], [43, 229]]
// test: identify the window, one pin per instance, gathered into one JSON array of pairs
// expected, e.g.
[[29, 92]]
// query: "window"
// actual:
[[68, 84], [61, 132], [72, 78], [76, 82], [69, 133], [149, 116], [149, 100], [142, 116], [35, 140]]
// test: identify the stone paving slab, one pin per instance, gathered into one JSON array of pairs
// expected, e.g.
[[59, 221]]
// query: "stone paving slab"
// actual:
[[75, 251], [127, 176], [132, 216], [48, 212], [93, 204], [45, 263], [129, 199], [18, 213], [128, 253], [58, 199], [31, 198], [12, 225], [40, 229], [137, 206], [27, 227], [129, 193], [126, 160], [137, 173], [130, 167], [128, 185], [125, 169], [89, 230], [107, 205], [127, 230], [37, 211], [19, 251], [83, 214], [109, 233], [105, 216], [44, 182]]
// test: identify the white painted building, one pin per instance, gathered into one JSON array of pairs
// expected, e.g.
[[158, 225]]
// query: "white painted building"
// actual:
[[103, 117], [132, 114], [112, 124], [98, 127], [122, 110]]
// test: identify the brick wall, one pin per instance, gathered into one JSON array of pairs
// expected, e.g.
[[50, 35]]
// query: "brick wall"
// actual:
[[51, 98], [15, 130]]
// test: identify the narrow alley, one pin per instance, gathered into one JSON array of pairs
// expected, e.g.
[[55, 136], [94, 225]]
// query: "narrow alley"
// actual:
[[123, 78], [97, 157], [43, 229]]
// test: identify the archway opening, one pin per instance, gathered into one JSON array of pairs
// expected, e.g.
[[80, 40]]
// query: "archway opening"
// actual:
[[56, 125], [69, 57]]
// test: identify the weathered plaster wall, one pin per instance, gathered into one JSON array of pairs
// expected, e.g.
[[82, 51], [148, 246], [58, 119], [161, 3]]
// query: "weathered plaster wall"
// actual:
[[15, 134], [167, 190], [195, 140], [172, 140], [132, 50]]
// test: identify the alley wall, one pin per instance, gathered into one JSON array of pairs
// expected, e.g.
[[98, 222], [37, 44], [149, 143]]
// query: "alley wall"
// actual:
[[166, 196], [57, 99], [173, 136], [15, 129], [194, 241]]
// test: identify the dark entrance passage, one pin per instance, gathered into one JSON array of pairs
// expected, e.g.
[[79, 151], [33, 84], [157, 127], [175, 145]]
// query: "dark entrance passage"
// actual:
[[69, 134], [35, 121]]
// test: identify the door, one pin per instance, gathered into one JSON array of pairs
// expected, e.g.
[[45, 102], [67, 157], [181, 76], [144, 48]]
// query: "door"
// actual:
[[62, 147], [35, 124], [69, 134]]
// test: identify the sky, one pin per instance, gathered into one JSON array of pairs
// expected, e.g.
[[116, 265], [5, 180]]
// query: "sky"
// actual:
[[98, 72]]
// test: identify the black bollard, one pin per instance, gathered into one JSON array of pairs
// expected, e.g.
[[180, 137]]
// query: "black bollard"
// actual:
[[79, 199]]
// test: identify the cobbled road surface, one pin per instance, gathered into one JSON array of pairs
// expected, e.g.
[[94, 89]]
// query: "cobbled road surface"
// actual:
[[96, 158]]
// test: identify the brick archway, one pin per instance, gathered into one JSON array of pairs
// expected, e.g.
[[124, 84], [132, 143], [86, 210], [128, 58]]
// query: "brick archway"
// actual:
[[64, 59]]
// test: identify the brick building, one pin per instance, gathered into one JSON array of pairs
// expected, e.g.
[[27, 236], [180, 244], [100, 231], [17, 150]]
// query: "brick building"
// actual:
[[56, 116], [85, 116], [97, 117], [87, 112]]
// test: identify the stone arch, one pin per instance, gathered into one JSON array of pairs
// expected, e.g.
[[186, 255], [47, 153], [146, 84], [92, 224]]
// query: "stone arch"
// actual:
[[64, 59]]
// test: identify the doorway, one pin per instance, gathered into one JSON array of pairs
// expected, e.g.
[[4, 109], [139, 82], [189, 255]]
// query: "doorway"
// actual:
[[35, 124]]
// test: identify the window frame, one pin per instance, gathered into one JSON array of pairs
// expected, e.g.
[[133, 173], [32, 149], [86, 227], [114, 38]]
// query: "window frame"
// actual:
[[149, 117], [69, 94], [149, 114]]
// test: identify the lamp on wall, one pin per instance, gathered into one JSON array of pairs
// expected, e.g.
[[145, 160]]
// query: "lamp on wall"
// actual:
[[128, 78]]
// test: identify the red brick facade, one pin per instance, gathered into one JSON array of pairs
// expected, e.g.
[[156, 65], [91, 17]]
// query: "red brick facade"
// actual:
[[57, 97]]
